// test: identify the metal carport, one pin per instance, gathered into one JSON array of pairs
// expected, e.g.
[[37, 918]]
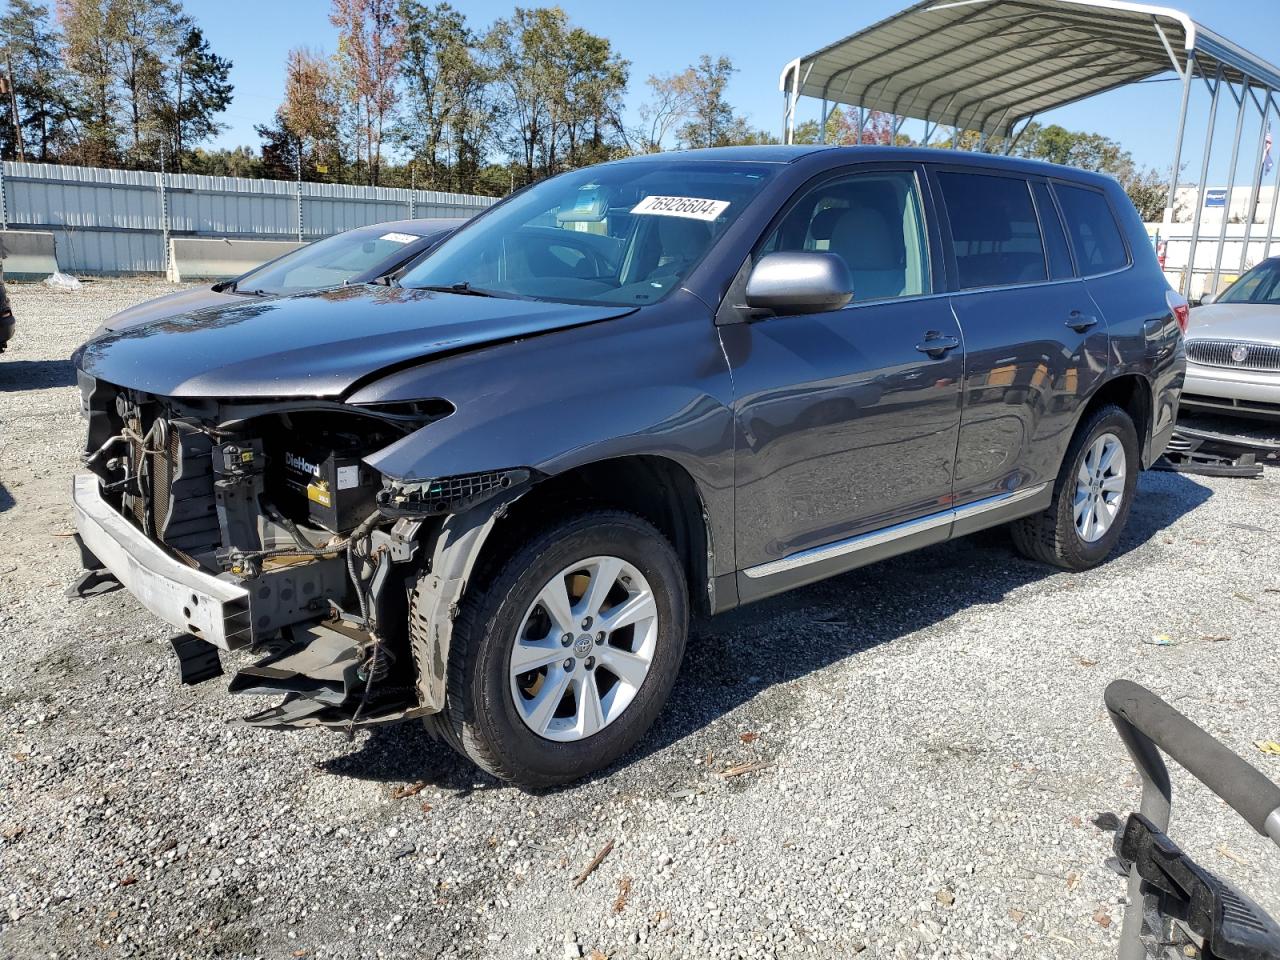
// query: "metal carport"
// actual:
[[992, 66]]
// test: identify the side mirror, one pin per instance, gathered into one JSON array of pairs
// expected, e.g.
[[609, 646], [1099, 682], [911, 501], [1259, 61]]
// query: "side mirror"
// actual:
[[1207, 299], [800, 281]]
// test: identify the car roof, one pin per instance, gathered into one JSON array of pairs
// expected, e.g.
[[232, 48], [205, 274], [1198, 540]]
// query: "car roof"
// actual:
[[768, 153], [778, 153]]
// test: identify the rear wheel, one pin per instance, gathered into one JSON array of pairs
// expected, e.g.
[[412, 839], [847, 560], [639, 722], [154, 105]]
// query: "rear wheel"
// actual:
[[563, 656], [1091, 496]]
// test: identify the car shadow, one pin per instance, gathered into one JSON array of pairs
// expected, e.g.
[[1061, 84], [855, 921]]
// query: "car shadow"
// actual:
[[738, 655], [6, 498], [35, 374]]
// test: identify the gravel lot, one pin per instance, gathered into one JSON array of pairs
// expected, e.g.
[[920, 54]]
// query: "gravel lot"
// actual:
[[936, 744]]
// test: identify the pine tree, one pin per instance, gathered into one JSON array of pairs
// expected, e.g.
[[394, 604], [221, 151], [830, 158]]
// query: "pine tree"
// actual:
[[45, 112], [197, 90]]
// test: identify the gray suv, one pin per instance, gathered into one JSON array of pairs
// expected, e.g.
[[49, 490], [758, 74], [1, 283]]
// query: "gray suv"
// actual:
[[491, 497]]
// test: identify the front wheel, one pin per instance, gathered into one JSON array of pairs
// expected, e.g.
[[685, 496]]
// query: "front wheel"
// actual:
[[563, 656], [1091, 496]]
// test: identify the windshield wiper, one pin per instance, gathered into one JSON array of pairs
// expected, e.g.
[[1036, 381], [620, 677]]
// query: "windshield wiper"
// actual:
[[233, 287], [467, 290]]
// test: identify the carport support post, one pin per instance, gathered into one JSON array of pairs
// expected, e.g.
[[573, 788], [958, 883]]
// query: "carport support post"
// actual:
[[4, 201], [1231, 183], [1256, 184], [1177, 145], [1204, 182], [1275, 200]]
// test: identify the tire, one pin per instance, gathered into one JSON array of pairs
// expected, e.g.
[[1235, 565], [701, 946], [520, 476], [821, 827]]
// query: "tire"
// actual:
[[1054, 536], [490, 714]]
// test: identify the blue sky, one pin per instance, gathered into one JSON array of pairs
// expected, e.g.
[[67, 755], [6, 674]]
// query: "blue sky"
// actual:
[[659, 36]]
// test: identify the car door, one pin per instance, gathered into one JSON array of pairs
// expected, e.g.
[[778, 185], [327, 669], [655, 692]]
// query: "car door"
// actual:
[[846, 420], [1035, 341]]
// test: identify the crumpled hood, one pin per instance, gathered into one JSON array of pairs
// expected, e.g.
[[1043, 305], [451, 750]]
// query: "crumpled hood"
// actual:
[[1255, 322], [183, 301], [316, 345]]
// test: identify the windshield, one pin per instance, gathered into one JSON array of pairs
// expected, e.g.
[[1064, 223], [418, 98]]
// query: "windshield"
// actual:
[[620, 234], [327, 263], [1259, 285]]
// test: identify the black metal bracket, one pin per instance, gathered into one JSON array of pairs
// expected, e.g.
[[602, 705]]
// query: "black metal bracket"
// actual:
[[1206, 454], [198, 659]]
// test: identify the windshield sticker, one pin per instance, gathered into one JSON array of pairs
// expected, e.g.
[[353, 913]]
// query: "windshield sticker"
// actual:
[[398, 237], [691, 207]]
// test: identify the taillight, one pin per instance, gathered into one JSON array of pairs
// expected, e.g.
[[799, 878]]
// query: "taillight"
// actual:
[[1181, 309]]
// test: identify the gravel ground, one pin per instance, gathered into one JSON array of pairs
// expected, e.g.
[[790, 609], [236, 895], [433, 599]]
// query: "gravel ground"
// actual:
[[936, 746]]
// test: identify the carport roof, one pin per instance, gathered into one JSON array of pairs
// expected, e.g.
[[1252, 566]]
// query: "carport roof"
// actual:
[[985, 64]]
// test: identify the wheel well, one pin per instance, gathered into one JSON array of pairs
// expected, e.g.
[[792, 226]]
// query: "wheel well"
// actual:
[[655, 488], [1132, 393]]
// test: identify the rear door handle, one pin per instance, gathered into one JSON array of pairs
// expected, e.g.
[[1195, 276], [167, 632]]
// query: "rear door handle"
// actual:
[[937, 346], [1080, 322]]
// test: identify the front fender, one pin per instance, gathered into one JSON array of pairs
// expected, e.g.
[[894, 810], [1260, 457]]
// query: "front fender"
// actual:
[[652, 384]]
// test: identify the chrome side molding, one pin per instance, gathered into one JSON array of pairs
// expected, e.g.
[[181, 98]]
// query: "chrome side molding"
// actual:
[[875, 538]]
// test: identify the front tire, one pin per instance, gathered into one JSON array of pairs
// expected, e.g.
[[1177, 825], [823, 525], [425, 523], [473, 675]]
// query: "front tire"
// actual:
[[563, 655], [1091, 496]]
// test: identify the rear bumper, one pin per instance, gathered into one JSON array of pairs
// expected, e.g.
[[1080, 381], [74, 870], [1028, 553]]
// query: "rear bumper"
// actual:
[[190, 600]]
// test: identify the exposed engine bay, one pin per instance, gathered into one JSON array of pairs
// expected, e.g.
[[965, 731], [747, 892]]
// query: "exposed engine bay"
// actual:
[[274, 498]]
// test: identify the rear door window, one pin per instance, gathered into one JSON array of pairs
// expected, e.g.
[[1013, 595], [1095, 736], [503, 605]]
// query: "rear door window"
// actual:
[[995, 236], [1095, 235]]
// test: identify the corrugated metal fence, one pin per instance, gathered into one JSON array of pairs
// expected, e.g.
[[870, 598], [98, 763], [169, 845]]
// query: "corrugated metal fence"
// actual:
[[118, 221]]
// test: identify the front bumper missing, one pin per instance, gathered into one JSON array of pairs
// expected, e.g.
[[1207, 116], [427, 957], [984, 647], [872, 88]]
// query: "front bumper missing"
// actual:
[[1217, 454], [195, 602]]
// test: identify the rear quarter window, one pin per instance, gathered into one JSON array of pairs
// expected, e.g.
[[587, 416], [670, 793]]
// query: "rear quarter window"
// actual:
[[995, 235], [1095, 235]]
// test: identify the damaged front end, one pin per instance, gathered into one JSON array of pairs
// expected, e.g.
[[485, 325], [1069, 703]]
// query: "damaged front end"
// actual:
[[258, 526]]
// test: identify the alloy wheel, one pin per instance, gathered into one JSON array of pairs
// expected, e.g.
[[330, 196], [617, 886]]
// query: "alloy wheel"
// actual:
[[1100, 483], [584, 648]]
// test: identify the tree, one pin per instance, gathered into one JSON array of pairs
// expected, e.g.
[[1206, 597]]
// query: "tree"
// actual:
[[143, 33], [31, 51], [238, 162], [142, 83], [561, 89], [370, 43], [446, 87], [304, 135], [89, 52], [199, 89], [671, 105], [843, 128], [711, 119], [591, 109], [523, 50], [1149, 191]]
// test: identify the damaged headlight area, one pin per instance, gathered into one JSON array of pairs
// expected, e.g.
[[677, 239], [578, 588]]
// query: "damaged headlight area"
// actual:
[[259, 525]]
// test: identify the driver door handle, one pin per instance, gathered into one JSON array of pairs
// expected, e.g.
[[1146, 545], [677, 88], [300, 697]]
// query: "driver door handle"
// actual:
[[937, 346], [1080, 322]]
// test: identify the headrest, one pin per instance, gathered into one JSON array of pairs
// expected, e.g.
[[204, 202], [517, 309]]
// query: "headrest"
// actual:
[[863, 237], [824, 222], [683, 238]]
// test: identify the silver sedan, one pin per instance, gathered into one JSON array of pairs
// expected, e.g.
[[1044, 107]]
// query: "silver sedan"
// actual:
[[1233, 347]]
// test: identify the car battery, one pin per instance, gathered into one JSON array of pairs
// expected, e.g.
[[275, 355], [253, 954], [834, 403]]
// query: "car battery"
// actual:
[[337, 489]]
